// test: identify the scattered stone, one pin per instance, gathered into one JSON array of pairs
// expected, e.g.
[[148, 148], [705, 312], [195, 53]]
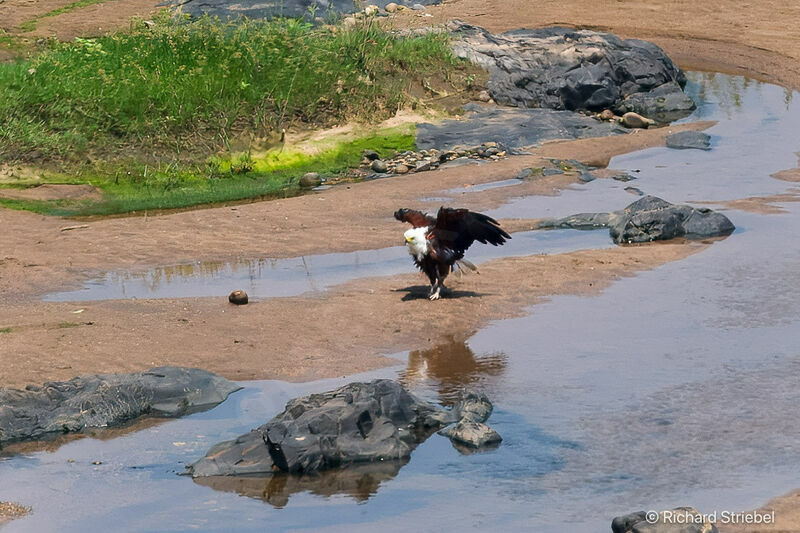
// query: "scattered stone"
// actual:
[[586, 177], [473, 434], [370, 155], [238, 297], [551, 171], [678, 520], [473, 406], [379, 166], [635, 120], [684, 140], [484, 96], [650, 219], [106, 400], [418, 7], [391, 7], [561, 68], [310, 179], [607, 114], [401, 169], [422, 166]]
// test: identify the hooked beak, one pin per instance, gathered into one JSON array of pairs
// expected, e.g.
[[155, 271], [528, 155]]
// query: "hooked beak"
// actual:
[[409, 239]]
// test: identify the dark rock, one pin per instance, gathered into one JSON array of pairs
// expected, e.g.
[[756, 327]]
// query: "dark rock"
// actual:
[[586, 177], [106, 400], [551, 171], [689, 139], [653, 219], [650, 219], [663, 104], [238, 297], [623, 176], [357, 423], [473, 406], [370, 155], [560, 68], [473, 434], [512, 128], [310, 179], [678, 520], [259, 9], [379, 166]]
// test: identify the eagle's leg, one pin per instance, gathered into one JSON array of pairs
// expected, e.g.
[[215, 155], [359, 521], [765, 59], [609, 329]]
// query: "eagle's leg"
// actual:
[[437, 285]]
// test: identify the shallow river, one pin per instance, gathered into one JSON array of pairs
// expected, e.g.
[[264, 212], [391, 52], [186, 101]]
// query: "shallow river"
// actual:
[[674, 387]]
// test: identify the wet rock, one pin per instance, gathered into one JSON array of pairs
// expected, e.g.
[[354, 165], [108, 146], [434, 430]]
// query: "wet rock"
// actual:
[[473, 406], [106, 400], [635, 120], [689, 139], [650, 219], [354, 424], [473, 434], [560, 68], [586, 177], [664, 104], [511, 128], [379, 166], [238, 297], [310, 179], [678, 520]]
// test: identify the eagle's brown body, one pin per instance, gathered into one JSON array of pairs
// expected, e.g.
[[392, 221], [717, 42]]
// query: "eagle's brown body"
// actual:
[[447, 236]]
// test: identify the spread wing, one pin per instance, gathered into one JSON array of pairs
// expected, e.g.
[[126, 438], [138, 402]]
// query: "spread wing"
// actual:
[[456, 229], [415, 218]]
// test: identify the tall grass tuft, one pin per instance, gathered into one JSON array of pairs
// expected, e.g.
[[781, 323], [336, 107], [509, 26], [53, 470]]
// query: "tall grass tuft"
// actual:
[[181, 85]]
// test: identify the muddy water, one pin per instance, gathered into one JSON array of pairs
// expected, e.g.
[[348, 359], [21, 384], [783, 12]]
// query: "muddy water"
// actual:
[[674, 387]]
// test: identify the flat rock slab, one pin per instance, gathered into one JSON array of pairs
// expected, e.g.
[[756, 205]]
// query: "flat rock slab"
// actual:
[[684, 140], [560, 68], [357, 424], [511, 128], [268, 9], [104, 400], [650, 219]]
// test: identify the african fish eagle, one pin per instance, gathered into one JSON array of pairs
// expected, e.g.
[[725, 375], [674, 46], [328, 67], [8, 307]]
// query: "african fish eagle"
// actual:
[[437, 243]]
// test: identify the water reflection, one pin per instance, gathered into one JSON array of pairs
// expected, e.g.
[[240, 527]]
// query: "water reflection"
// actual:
[[359, 482], [449, 367]]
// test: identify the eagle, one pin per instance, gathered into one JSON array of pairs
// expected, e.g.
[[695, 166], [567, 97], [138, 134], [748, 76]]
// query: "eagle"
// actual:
[[437, 243]]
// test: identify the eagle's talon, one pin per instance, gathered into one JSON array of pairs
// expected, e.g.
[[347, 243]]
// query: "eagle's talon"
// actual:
[[434, 296]]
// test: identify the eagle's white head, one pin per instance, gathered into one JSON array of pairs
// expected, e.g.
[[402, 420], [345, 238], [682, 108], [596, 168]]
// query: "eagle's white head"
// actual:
[[417, 242]]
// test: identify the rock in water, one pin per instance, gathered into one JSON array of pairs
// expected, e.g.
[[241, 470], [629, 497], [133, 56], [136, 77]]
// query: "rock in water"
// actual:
[[355, 424], [106, 400], [650, 219], [653, 219], [689, 139], [678, 520], [473, 434], [560, 68]]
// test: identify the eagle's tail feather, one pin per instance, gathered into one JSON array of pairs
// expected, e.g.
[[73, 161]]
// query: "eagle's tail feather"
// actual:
[[463, 263]]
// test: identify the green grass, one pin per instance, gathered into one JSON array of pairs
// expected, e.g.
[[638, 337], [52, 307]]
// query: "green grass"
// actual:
[[6, 330], [157, 109], [183, 87]]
